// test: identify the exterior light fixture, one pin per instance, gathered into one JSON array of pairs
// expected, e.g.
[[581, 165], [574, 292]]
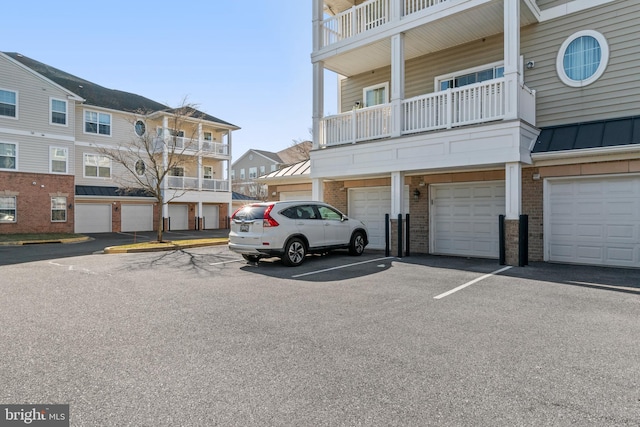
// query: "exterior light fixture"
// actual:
[[416, 194]]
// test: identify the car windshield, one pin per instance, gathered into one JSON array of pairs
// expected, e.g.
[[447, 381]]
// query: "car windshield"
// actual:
[[251, 212]]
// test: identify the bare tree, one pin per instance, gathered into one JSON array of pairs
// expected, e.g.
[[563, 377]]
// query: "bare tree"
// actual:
[[151, 157]]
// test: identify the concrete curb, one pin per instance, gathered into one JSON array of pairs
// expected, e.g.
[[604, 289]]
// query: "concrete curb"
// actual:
[[157, 247]]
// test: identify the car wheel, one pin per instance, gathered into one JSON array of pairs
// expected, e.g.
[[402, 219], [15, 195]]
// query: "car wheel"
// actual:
[[356, 247], [294, 252], [251, 258]]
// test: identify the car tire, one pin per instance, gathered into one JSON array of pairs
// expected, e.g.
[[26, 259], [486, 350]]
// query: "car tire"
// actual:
[[251, 258], [294, 252], [357, 244]]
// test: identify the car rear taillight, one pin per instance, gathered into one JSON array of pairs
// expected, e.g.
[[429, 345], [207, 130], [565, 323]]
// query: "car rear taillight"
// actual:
[[268, 221]]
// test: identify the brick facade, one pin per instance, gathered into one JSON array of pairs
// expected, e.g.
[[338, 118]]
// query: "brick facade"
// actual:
[[33, 194]]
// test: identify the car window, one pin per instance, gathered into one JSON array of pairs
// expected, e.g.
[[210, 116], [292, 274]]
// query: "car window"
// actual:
[[300, 212], [250, 212], [328, 213]]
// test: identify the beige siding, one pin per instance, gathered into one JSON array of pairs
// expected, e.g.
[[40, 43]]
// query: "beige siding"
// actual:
[[615, 94], [32, 131]]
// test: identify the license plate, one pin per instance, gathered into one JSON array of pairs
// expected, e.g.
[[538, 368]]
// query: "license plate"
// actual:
[[244, 227]]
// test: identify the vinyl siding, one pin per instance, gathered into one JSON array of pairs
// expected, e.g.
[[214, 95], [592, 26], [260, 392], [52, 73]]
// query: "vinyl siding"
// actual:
[[547, 4], [32, 130], [614, 94]]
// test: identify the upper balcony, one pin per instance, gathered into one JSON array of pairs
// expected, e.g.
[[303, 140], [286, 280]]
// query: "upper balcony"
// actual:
[[355, 35], [191, 146], [468, 105]]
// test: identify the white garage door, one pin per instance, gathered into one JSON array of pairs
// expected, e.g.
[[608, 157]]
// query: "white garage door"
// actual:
[[137, 218], [464, 218], [593, 221], [179, 217], [93, 218], [370, 205], [295, 195], [211, 215]]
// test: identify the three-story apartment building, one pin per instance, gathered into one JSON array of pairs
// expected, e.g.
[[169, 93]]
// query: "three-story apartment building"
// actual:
[[465, 112], [54, 177]]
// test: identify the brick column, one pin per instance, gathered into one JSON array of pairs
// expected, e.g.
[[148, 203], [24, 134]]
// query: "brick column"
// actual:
[[512, 233]]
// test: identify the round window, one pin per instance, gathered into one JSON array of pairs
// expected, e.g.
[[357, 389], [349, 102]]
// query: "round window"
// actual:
[[582, 58], [140, 167], [141, 128]]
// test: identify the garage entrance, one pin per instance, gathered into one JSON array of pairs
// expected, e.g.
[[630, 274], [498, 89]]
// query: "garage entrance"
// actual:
[[92, 218], [464, 218], [137, 217], [593, 220], [179, 217]]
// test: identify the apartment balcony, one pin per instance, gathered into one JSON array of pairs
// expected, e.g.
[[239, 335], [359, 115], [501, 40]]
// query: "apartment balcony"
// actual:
[[356, 39], [196, 184], [187, 145], [453, 108]]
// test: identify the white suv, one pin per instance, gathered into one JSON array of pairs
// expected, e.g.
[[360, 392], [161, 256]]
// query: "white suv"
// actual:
[[291, 230]]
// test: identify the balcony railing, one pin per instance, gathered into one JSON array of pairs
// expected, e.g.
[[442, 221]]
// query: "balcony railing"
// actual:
[[478, 103], [187, 144], [367, 16], [193, 183]]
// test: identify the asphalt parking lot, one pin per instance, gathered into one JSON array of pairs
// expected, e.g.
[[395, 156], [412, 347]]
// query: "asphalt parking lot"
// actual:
[[200, 337]]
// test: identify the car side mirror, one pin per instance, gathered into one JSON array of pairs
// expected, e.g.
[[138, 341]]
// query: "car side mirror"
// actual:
[[344, 218]]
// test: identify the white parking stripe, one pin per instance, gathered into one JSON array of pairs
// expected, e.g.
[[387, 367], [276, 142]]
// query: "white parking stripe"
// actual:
[[338, 268], [471, 283]]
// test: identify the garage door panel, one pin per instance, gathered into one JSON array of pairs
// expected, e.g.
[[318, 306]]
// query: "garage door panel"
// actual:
[[594, 221], [92, 218], [179, 217], [137, 217], [465, 218]]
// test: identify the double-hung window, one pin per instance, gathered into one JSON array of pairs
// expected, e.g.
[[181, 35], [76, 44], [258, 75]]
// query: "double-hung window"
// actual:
[[8, 103], [253, 172], [242, 173], [58, 112], [8, 209], [58, 159], [8, 156], [208, 172], [98, 123], [59, 209], [97, 166]]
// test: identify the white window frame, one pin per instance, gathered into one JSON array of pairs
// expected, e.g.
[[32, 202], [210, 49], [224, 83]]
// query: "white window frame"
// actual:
[[177, 169], [233, 174], [99, 114], [15, 209], [604, 58], [207, 136], [242, 173], [384, 85], [273, 168], [2, 116], [97, 165], [52, 150], [253, 172], [206, 175], [15, 144], [452, 76], [64, 208], [144, 128], [66, 112], [263, 170]]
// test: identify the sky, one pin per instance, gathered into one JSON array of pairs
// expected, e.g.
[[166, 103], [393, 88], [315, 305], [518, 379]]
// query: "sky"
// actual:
[[245, 62]]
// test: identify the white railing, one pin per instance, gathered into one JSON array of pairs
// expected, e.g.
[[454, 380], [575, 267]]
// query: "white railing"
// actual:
[[358, 125], [477, 103], [413, 6], [191, 145], [467, 105], [367, 16], [356, 20], [193, 183]]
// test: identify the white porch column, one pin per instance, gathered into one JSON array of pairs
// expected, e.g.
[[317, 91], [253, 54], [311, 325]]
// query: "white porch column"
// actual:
[[317, 189], [397, 83], [230, 189], [317, 15], [513, 190], [512, 56], [318, 102], [397, 194]]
